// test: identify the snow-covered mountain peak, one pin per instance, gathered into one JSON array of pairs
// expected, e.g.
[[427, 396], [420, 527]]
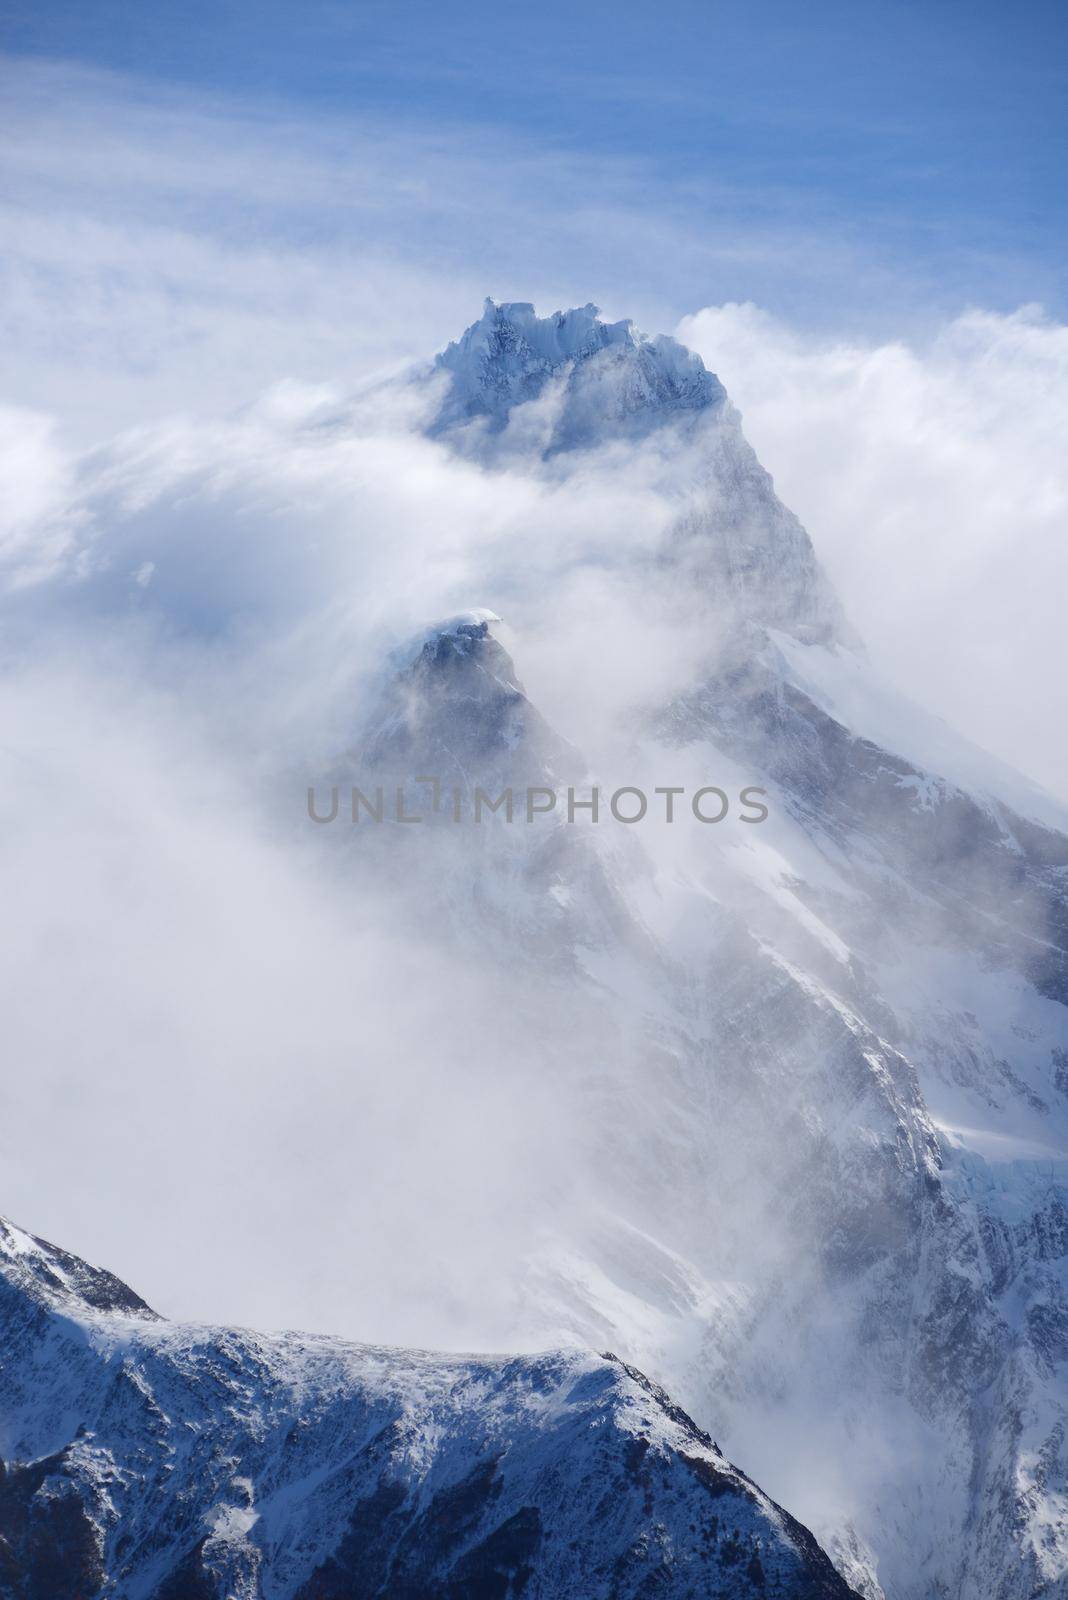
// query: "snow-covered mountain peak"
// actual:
[[457, 633], [562, 336], [454, 688], [524, 392], [598, 378]]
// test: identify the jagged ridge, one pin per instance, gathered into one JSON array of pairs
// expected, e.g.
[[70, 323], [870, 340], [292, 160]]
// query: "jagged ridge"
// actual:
[[610, 377]]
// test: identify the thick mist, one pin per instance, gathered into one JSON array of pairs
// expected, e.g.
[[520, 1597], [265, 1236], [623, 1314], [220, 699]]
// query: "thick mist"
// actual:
[[239, 1074]]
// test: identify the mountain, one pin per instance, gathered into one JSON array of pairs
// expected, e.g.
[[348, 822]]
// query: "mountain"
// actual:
[[156, 1460], [826, 1105], [456, 694]]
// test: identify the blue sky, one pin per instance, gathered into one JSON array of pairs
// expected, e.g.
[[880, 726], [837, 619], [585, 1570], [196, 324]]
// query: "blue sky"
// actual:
[[922, 147]]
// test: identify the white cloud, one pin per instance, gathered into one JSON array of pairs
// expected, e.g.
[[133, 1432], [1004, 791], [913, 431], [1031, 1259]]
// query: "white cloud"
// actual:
[[42, 527]]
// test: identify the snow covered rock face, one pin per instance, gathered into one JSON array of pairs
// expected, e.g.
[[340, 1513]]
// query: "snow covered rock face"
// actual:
[[977, 871], [597, 379], [145, 1459], [932, 918]]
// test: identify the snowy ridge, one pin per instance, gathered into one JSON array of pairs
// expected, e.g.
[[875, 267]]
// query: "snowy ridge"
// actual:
[[152, 1461]]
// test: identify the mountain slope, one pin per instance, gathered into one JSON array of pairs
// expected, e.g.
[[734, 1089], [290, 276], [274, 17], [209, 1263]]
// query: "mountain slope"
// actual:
[[148, 1459]]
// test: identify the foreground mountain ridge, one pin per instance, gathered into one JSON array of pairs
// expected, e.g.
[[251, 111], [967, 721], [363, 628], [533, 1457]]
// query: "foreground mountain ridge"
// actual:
[[153, 1461]]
